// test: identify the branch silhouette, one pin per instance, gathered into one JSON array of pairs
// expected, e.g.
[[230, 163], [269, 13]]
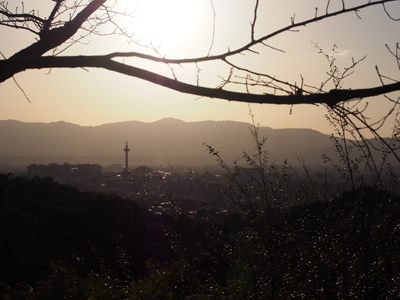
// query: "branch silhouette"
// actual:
[[105, 62], [54, 33]]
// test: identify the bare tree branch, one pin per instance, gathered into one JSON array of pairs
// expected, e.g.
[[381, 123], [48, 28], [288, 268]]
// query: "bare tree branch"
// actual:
[[55, 32], [331, 98]]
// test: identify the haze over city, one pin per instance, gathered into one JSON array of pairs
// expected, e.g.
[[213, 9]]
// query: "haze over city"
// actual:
[[164, 142]]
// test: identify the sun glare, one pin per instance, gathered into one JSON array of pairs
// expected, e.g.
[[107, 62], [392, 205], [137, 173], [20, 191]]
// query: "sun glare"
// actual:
[[166, 23]]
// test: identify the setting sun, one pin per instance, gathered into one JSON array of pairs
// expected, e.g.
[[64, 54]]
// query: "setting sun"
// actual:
[[167, 22]]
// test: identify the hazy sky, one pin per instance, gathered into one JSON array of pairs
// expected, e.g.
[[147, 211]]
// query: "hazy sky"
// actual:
[[184, 29]]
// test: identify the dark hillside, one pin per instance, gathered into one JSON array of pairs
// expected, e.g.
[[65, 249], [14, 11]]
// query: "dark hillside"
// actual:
[[58, 243], [48, 230]]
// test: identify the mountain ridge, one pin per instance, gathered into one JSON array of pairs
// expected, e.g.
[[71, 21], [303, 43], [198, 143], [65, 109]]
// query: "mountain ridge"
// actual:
[[164, 138]]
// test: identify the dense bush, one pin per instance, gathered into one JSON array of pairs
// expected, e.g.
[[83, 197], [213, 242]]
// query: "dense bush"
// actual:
[[58, 243], [55, 239]]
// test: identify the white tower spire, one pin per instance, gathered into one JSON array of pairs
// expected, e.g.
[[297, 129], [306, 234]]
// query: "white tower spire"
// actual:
[[126, 168]]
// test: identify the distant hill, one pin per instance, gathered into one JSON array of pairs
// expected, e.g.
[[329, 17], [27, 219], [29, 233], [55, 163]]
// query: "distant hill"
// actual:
[[173, 140]]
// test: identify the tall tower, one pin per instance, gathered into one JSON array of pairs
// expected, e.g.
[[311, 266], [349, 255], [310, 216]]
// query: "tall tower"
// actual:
[[126, 168]]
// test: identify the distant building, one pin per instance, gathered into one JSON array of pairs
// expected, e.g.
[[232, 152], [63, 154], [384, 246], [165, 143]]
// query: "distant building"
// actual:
[[124, 188], [116, 167], [55, 170], [142, 170], [126, 168], [80, 175]]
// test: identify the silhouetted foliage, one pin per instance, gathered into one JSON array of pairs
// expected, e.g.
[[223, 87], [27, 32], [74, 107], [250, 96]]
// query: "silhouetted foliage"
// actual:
[[50, 231], [58, 243]]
